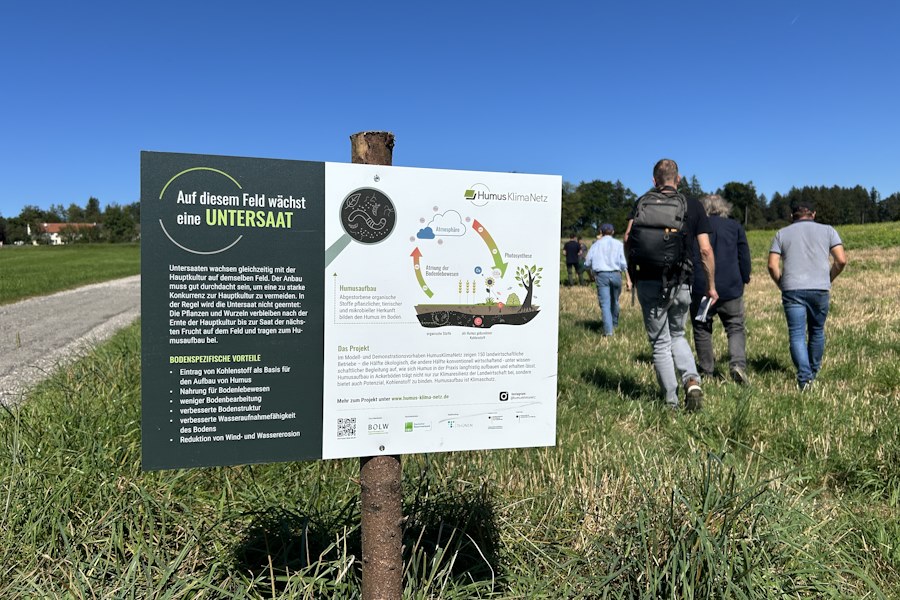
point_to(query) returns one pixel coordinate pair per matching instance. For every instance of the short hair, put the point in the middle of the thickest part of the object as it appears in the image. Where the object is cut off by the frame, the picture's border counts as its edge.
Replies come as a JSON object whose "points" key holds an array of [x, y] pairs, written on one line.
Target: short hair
{"points": [[607, 229], [802, 208], [715, 204], [665, 170]]}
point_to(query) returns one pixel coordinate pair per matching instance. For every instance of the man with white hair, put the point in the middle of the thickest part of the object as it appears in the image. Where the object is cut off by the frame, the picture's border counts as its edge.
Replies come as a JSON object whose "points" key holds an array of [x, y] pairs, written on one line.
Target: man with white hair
{"points": [[732, 252]]}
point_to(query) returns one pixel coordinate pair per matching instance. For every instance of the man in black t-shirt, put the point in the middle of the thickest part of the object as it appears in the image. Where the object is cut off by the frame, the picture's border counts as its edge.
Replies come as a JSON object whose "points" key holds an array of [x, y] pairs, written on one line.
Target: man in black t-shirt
{"points": [[572, 250], [665, 310]]}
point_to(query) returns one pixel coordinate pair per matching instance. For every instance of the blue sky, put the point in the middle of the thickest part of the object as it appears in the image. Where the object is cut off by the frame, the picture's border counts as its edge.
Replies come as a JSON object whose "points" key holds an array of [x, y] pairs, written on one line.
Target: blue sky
{"points": [[781, 93]]}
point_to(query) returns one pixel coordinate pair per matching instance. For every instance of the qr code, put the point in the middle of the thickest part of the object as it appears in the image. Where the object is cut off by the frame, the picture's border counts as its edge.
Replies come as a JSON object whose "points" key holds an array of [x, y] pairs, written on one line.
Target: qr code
{"points": [[346, 428]]}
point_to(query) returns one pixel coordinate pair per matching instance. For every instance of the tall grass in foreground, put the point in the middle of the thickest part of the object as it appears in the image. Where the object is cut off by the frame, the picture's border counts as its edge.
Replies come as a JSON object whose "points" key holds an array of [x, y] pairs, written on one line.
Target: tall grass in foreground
{"points": [[39, 270], [767, 493]]}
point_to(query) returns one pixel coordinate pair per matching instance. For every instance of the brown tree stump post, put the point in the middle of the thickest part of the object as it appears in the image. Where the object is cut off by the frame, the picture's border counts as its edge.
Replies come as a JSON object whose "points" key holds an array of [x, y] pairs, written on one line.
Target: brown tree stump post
{"points": [[380, 495]]}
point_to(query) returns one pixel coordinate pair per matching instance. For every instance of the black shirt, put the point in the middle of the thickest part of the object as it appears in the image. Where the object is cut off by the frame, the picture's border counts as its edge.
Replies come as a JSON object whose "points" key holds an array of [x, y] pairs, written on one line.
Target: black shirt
{"points": [[572, 249]]}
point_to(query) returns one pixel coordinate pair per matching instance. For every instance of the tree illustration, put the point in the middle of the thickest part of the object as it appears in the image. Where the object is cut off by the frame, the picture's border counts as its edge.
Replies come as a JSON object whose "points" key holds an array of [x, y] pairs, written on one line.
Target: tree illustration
{"points": [[529, 278]]}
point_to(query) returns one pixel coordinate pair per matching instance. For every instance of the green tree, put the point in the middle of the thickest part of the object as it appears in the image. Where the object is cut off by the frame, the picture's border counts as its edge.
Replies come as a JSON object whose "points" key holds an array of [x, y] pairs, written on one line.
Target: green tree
{"points": [[92, 211], [31, 217], [529, 278], [134, 211], [572, 210], [683, 187], [694, 188], [889, 208], [778, 211], [118, 226], [55, 214], [16, 231], [74, 214], [600, 202], [746, 204], [869, 212]]}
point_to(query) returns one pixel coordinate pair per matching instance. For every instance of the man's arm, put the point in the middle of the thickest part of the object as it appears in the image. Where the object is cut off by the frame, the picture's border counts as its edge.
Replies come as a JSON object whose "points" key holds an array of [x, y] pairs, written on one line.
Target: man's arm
{"points": [[839, 261], [590, 255], [627, 230], [708, 259], [775, 268]]}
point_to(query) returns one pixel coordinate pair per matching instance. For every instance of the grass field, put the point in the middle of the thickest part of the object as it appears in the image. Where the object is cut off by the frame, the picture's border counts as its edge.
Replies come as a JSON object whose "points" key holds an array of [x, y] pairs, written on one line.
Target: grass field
{"points": [[28, 271], [767, 493]]}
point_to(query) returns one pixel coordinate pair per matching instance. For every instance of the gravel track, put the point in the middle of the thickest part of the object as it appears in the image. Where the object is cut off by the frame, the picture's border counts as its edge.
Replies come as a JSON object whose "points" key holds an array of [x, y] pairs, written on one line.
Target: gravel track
{"points": [[39, 335]]}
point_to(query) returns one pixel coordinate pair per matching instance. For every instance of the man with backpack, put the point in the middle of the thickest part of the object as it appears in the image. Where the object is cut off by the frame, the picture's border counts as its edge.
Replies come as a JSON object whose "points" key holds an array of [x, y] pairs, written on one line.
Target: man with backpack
{"points": [[661, 231]]}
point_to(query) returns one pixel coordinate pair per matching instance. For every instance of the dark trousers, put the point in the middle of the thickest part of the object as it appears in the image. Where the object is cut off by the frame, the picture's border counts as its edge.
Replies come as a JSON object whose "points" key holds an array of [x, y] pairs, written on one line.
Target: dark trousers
{"points": [[731, 312], [576, 267]]}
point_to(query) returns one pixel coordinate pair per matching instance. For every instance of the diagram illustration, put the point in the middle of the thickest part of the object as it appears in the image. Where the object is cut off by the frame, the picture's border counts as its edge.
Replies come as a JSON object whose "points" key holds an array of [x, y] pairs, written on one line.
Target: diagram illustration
{"points": [[491, 293]]}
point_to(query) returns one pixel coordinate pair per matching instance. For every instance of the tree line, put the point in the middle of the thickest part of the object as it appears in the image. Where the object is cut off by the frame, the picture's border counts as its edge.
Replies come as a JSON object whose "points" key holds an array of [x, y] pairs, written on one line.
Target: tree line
{"points": [[113, 224], [584, 208], [589, 204]]}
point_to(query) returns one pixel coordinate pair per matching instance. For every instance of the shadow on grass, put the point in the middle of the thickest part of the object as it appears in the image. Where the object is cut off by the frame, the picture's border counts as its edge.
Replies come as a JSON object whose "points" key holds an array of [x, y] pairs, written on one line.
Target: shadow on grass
{"points": [[614, 381], [644, 356], [592, 325], [280, 541], [460, 527], [445, 531], [767, 364]]}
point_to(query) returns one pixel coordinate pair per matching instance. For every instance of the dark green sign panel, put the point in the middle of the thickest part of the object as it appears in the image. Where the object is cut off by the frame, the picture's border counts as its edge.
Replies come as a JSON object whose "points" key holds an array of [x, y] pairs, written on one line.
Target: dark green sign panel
{"points": [[232, 309]]}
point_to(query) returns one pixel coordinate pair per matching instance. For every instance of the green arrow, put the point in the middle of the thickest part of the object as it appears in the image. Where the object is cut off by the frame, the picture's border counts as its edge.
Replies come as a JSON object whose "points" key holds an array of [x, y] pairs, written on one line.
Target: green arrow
{"points": [[492, 246], [417, 254]]}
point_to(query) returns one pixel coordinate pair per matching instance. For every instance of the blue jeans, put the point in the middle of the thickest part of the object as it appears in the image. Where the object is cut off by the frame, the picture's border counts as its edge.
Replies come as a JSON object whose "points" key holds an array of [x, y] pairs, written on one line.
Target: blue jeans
{"points": [[672, 355], [609, 286], [805, 312]]}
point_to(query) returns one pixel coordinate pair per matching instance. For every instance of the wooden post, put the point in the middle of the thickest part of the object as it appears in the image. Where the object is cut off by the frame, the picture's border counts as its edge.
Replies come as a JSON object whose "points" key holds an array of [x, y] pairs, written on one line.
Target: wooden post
{"points": [[380, 495]]}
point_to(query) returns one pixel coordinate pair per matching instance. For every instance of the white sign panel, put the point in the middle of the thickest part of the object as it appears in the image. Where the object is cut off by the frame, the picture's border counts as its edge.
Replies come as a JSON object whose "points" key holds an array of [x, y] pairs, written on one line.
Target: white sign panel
{"points": [[441, 310]]}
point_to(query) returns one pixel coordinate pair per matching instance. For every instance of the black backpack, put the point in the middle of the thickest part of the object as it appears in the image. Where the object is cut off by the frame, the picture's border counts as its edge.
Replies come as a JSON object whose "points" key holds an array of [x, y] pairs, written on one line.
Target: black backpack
{"points": [[657, 241]]}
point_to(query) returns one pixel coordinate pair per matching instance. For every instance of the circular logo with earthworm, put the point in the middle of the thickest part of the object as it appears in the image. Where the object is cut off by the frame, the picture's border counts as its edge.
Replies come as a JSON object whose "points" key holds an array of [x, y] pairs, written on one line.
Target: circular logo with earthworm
{"points": [[368, 215]]}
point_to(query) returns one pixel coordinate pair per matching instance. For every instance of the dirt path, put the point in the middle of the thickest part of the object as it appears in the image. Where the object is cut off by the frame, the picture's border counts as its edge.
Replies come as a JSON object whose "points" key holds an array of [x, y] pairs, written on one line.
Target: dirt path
{"points": [[39, 334]]}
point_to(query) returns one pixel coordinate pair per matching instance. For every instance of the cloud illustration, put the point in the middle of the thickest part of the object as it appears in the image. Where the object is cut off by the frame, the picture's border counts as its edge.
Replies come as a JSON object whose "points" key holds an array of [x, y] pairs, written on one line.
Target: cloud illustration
{"points": [[447, 224], [425, 234]]}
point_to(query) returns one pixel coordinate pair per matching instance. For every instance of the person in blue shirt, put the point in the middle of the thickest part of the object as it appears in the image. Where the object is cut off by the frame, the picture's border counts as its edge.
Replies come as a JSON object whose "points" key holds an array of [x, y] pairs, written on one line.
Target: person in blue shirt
{"points": [[606, 260], [729, 243]]}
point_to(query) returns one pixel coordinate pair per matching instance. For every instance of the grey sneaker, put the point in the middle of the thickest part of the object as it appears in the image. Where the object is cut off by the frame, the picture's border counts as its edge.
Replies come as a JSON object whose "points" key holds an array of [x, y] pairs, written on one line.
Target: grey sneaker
{"points": [[693, 396], [739, 375]]}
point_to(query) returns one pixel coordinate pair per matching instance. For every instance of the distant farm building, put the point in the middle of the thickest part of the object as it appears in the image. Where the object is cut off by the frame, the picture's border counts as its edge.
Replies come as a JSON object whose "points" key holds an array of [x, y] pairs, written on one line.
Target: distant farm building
{"points": [[57, 234]]}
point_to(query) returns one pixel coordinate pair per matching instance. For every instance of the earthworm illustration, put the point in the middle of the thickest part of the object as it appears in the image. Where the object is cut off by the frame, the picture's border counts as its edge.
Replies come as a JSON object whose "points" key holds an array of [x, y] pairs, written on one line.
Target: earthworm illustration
{"points": [[361, 214]]}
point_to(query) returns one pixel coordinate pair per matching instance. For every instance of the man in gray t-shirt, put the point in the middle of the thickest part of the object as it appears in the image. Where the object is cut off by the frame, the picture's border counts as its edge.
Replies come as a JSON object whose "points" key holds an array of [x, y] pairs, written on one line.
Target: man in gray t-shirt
{"points": [[799, 265]]}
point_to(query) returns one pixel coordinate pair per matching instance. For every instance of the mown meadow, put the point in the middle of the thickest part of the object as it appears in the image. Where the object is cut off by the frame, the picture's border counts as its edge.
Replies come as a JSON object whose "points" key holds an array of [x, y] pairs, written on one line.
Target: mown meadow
{"points": [[766, 493], [28, 271]]}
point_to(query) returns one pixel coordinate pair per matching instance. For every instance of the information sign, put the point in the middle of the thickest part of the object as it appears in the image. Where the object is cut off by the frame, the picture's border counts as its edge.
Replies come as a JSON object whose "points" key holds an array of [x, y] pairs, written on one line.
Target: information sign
{"points": [[299, 310]]}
